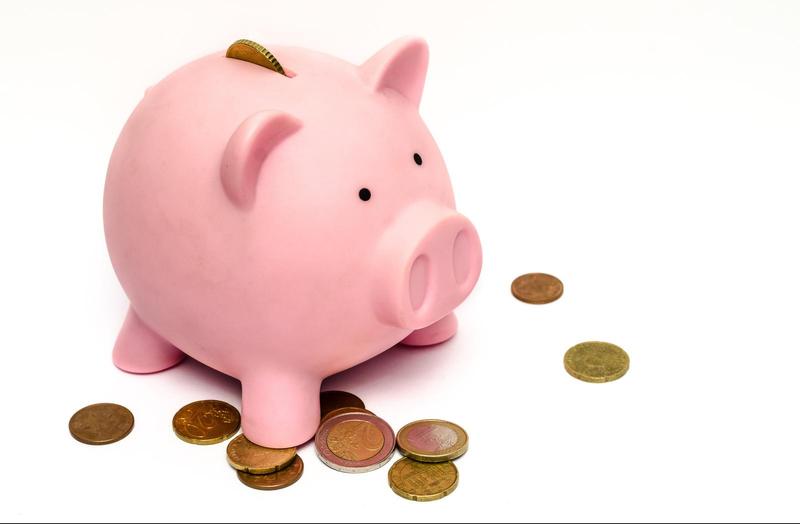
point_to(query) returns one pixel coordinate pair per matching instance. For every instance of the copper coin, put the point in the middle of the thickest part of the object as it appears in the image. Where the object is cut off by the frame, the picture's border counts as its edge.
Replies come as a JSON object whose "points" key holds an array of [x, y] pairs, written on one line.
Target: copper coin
{"points": [[206, 422], [254, 53], [343, 411], [252, 458], [355, 443], [423, 482], [537, 288], [101, 424], [277, 480], [330, 400], [432, 440]]}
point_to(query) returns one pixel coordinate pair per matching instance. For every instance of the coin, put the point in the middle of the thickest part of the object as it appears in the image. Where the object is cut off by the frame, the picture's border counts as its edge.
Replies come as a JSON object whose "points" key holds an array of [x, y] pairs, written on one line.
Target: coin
{"points": [[432, 440], [206, 422], [342, 411], [355, 442], [537, 288], [254, 53], [277, 480], [330, 400], [596, 362], [423, 482], [251, 458], [101, 424]]}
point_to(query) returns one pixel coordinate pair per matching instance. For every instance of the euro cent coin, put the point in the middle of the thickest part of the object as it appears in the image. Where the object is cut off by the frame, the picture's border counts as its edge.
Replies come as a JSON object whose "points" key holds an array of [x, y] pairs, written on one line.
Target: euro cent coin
{"points": [[596, 362], [537, 288], [101, 424], [254, 53], [432, 440], [422, 481], [206, 422], [245, 456], [330, 400], [355, 443], [271, 481]]}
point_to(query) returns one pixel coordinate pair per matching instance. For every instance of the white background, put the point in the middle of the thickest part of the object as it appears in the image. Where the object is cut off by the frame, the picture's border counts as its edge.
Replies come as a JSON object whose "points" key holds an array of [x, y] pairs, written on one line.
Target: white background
{"points": [[646, 153]]}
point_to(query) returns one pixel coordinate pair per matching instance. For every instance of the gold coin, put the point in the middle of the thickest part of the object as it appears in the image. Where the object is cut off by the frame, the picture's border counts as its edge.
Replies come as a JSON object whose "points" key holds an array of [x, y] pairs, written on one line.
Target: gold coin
{"points": [[277, 480], [596, 362], [343, 411], [206, 422], [330, 400], [251, 458], [254, 53], [537, 288], [432, 440], [101, 424], [423, 482]]}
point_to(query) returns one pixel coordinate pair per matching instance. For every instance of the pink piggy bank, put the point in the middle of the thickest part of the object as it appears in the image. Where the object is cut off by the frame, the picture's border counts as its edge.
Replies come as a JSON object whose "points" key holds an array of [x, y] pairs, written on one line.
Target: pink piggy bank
{"points": [[283, 228]]}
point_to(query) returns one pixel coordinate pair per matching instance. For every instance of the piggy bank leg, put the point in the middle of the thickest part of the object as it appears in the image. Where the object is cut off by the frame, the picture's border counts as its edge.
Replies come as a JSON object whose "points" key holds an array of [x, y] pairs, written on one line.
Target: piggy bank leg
{"points": [[436, 333], [140, 350], [280, 410]]}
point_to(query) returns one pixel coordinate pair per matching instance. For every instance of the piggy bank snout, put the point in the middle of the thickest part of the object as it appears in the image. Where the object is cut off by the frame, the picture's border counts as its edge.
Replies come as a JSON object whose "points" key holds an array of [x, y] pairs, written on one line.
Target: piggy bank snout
{"points": [[429, 262]]}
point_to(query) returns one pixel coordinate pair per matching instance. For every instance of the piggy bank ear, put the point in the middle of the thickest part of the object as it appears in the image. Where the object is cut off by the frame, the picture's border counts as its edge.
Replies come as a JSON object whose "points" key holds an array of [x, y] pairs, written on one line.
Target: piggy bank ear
{"points": [[400, 66], [247, 150]]}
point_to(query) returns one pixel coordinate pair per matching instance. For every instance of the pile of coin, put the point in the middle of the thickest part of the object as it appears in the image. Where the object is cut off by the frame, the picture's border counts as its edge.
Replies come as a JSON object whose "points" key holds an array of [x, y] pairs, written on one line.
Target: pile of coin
{"points": [[264, 468], [588, 361], [352, 439], [427, 472], [214, 421]]}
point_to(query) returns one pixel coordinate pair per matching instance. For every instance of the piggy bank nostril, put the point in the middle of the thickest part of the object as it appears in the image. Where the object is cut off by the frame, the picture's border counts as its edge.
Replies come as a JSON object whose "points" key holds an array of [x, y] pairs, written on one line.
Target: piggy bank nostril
{"points": [[418, 281], [461, 256]]}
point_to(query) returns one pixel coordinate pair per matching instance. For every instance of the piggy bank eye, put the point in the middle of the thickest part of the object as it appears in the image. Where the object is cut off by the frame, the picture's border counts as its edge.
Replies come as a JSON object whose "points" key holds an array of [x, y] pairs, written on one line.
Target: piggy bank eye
{"points": [[364, 194], [417, 159]]}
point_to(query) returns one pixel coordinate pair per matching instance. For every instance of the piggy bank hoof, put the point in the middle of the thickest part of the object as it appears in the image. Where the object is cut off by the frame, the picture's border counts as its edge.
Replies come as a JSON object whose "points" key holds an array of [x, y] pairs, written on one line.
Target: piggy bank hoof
{"points": [[280, 410], [436, 333], [139, 349]]}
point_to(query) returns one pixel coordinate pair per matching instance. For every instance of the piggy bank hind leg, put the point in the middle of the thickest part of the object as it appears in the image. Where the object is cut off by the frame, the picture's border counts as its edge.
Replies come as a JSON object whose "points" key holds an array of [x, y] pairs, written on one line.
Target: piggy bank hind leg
{"points": [[139, 349], [438, 332], [280, 410]]}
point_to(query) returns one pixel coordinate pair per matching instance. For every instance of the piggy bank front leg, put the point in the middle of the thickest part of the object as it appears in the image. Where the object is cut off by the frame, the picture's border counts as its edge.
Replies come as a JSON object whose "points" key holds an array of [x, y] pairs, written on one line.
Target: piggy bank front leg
{"points": [[139, 349], [438, 332], [279, 409]]}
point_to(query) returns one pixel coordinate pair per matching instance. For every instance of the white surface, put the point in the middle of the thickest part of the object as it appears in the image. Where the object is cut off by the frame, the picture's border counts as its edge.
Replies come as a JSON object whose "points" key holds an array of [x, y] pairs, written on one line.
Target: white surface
{"points": [[646, 153]]}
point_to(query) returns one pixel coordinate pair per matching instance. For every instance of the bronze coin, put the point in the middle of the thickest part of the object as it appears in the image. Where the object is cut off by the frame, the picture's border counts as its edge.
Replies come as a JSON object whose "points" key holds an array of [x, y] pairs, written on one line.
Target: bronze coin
{"points": [[537, 288], [355, 443], [423, 482], [206, 422], [258, 460], [254, 53], [342, 411], [432, 440], [101, 424], [277, 480], [330, 400], [596, 362]]}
